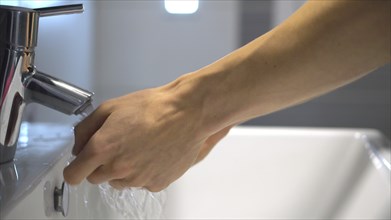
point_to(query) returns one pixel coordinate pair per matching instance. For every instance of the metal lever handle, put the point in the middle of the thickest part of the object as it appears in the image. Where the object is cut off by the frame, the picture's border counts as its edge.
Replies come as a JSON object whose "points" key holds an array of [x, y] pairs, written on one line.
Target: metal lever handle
{"points": [[60, 10]]}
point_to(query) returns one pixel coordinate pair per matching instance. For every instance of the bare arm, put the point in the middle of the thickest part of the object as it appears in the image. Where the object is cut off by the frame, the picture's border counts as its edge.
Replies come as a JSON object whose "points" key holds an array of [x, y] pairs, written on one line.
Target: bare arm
{"points": [[151, 137], [324, 45]]}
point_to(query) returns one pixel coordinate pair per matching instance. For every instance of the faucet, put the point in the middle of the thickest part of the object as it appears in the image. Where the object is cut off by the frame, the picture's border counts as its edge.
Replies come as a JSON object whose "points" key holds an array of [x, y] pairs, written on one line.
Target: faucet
{"points": [[20, 81]]}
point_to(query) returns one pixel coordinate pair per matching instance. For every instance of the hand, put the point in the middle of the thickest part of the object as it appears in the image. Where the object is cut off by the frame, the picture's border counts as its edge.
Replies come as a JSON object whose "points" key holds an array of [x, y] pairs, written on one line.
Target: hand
{"points": [[211, 142], [144, 139]]}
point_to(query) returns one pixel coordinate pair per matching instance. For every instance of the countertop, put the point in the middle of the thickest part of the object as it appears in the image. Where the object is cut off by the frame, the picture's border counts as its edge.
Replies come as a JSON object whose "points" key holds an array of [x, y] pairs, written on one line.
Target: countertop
{"points": [[40, 146]]}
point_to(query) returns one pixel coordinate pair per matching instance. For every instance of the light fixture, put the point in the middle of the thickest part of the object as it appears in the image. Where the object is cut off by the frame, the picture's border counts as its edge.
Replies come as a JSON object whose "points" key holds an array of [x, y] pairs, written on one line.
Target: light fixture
{"points": [[181, 6]]}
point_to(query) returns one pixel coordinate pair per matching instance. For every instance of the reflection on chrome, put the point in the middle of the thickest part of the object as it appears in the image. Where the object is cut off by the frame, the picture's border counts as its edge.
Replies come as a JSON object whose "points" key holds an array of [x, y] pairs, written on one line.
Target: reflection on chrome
{"points": [[23, 136], [21, 83]]}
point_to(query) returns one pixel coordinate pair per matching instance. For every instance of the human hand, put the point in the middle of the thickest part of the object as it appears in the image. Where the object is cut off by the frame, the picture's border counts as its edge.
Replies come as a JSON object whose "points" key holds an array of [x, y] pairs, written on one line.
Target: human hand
{"points": [[209, 144], [144, 139]]}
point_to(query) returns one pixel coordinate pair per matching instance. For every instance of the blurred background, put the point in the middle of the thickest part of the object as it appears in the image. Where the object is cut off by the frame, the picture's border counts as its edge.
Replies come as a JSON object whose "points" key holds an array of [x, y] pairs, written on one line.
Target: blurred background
{"points": [[117, 47]]}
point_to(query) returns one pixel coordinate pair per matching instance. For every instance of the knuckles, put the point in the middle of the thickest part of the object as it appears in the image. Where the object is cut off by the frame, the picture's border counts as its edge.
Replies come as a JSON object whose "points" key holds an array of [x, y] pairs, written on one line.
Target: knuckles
{"points": [[99, 147], [120, 169], [107, 106]]}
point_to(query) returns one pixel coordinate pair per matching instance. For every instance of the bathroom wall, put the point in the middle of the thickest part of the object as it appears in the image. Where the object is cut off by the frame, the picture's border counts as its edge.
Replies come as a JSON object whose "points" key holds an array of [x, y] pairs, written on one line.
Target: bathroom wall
{"points": [[140, 45]]}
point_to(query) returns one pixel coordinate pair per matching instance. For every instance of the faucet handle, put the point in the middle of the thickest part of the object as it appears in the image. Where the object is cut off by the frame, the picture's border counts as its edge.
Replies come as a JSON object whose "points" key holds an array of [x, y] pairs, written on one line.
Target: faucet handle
{"points": [[60, 10], [19, 26]]}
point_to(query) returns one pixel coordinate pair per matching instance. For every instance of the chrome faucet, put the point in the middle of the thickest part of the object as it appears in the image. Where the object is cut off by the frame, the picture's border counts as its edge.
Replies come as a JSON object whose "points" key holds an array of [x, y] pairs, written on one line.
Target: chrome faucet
{"points": [[20, 82]]}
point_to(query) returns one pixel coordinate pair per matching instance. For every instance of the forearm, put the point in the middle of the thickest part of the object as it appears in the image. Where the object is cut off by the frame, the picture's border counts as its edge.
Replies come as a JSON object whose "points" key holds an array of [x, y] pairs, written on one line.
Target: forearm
{"points": [[324, 45], [151, 137]]}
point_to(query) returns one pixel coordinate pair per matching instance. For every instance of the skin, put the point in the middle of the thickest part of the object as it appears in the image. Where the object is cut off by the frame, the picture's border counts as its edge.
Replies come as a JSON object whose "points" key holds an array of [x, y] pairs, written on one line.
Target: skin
{"points": [[152, 137]]}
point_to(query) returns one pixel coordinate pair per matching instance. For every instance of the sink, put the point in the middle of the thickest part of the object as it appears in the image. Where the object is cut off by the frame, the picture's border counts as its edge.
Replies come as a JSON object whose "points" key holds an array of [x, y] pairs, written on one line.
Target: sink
{"points": [[255, 172], [288, 173]]}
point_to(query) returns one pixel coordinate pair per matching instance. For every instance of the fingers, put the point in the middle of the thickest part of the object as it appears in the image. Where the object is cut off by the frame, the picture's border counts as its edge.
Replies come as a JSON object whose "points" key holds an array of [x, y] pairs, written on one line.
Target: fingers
{"points": [[155, 188], [113, 170], [129, 181], [102, 174], [85, 129], [120, 184], [84, 164], [117, 143]]}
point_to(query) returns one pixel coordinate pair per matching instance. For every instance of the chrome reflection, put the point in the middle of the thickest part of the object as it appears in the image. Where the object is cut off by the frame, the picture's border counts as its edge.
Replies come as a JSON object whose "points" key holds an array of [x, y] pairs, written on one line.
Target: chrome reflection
{"points": [[21, 83]]}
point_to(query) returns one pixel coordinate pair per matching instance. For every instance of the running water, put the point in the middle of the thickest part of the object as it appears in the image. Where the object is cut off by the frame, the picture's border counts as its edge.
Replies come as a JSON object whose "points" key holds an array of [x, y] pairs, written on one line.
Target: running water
{"points": [[133, 203], [129, 203]]}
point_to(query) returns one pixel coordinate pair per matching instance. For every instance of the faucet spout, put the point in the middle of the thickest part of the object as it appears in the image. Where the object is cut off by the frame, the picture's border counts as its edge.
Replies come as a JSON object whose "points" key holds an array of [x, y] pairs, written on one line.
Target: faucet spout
{"points": [[21, 83], [56, 94], [24, 87]]}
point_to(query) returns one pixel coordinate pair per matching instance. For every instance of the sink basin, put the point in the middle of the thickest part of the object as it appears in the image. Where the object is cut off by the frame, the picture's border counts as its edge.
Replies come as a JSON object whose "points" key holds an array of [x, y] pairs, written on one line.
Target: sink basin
{"points": [[288, 173], [258, 173]]}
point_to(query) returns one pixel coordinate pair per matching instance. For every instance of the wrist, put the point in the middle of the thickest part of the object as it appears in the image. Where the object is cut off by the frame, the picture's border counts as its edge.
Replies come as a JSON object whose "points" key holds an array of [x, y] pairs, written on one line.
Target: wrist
{"points": [[221, 93], [189, 95], [202, 94]]}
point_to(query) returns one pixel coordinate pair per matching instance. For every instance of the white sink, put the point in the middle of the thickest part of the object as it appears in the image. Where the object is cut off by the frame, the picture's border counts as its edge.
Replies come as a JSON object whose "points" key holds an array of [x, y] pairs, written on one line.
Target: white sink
{"points": [[288, 173], [258, 173]]}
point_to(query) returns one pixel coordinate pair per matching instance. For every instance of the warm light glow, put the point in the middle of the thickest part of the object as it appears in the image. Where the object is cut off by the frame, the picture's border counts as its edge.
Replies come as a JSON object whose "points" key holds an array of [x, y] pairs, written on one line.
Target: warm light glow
{"points": [[181, 6]]}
